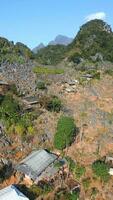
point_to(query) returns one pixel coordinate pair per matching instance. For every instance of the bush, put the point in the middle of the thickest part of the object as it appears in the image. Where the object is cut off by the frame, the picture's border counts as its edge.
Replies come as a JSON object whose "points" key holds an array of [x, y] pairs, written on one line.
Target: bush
{"points": [[65, 132], [13, 89], [79, 171], [51, 103], [19, 129], [86, 183], [9, 108], [71, 163], [101, 170], [54, 104], [67, 196], [41, 85], [109, 72]]}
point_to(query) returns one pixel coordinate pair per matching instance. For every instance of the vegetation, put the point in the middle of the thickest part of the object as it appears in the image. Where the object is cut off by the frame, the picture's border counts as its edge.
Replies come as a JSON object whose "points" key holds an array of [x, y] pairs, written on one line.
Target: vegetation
{"points": [[47, 70], [14, 53], [10, 114], [86, 183], [109, 72], [67, 196], [93, 42], [41, 85], [52, 103], [9, 108], [65, 132], [51, 55], [79, 171], [101, 170], [71, 164]]}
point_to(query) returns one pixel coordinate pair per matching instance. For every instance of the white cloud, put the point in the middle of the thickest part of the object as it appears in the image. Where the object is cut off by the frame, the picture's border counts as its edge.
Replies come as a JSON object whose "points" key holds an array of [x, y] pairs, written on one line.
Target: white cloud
{"points": [[98, 15]]}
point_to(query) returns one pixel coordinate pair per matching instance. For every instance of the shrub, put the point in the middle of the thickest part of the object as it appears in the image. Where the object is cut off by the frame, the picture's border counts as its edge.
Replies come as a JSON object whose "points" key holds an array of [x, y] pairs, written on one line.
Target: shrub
{"points": [[13, 89], [9, 108], [65, 132], [71, 163], [41, 85], [79, 171], [31, 130], [67, 196], [86, 183], [109, 72], [101, 170], [51, 103], [54, 104], [19, 129]]}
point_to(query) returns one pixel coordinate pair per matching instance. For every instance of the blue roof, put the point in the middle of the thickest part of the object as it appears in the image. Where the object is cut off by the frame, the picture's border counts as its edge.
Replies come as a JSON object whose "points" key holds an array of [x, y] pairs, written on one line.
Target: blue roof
{"points": [[12, 193]]}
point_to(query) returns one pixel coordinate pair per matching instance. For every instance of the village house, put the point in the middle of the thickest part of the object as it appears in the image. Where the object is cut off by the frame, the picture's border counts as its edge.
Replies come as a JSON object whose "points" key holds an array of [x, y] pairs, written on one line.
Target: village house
{"points": [[39, 165], [12, 193]]}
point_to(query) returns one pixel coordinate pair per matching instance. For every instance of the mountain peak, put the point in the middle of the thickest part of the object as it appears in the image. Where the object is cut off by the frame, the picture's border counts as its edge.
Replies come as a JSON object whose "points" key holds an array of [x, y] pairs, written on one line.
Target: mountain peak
{"points": [[40, 46], [61, 39]]}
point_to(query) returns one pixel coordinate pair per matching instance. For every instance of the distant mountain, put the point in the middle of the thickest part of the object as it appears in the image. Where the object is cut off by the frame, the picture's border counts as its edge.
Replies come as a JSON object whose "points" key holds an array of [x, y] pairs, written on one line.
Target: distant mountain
{"points": [[40, 46], [61, 39]]}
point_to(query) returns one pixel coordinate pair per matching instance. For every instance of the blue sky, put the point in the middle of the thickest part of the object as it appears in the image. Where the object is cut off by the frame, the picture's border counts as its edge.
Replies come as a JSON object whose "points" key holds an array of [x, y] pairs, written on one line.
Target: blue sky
{"points": [[35, 21]]}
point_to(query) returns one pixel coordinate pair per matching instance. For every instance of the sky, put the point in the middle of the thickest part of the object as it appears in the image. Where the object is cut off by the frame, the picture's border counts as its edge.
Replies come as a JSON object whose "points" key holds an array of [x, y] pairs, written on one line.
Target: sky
{"points": [[34, 21]]}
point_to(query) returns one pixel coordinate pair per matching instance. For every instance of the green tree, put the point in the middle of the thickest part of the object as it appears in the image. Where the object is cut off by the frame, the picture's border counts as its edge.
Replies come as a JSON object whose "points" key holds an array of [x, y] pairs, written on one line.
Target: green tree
{"points": [[65, 132]]}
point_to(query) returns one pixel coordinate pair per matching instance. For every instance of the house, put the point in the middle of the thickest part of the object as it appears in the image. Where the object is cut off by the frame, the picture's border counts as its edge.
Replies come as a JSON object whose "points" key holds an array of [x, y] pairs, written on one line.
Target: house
{"points": [[37, 166], [12, 193]]}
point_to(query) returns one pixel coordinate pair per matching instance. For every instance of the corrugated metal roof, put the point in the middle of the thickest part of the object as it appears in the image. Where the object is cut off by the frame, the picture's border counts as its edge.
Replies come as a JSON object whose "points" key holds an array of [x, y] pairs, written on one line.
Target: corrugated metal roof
{"points": [[11, 193], [36, 163]]}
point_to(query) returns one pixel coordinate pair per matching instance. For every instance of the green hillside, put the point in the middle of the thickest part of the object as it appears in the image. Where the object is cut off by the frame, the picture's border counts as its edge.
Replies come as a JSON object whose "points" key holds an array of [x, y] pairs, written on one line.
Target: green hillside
{"points": [[10, 52], [51, 55], [94, 41]]}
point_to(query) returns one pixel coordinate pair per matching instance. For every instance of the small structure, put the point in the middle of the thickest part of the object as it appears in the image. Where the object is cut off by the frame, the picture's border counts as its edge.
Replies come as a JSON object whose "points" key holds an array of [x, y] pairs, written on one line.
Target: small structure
{"points": [[111, 171], [87, 76], [12, 193], [31, 100], [109, 160], [37, 166]]}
